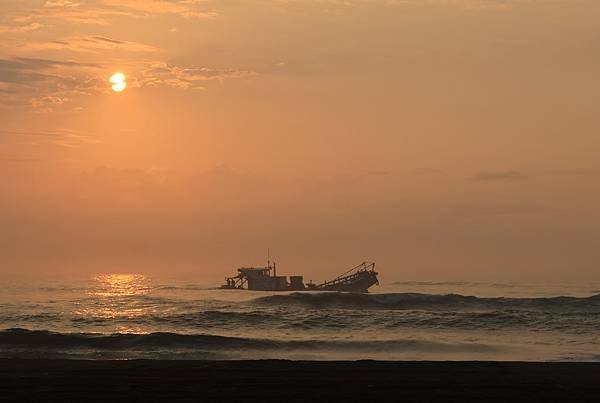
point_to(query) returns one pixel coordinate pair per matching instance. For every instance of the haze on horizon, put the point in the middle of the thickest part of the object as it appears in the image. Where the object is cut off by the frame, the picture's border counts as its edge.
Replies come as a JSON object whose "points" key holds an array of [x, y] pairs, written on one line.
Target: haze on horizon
{"points": [[443, 139]]}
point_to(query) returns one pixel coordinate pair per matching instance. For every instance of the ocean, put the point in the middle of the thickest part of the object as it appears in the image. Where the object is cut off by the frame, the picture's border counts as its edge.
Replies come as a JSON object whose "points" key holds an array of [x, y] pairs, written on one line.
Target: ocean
{"points": [[131, 316]]}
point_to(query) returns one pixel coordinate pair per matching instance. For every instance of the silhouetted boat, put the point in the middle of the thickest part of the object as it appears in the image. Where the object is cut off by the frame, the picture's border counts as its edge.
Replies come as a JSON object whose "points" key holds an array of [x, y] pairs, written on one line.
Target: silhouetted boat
{"points": [[358, 279]]}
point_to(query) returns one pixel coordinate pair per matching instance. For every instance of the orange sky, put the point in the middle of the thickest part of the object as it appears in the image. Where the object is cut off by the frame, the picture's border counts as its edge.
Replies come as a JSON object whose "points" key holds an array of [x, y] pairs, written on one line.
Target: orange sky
{"points": [[443, 139]]}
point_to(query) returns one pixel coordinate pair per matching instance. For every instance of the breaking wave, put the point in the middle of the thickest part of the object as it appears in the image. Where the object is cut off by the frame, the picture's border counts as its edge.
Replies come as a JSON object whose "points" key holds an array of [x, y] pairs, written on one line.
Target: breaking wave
{"points": [[455, 302], [187, 287]]}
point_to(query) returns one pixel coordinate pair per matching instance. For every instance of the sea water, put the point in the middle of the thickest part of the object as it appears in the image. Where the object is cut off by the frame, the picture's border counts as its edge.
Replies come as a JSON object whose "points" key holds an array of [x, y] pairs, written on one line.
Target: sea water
{"points": [[129, 316]]}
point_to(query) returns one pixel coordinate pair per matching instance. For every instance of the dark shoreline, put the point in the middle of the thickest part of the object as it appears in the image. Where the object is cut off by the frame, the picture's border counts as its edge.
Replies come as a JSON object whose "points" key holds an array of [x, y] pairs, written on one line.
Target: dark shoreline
{"points": [[296, 381]]}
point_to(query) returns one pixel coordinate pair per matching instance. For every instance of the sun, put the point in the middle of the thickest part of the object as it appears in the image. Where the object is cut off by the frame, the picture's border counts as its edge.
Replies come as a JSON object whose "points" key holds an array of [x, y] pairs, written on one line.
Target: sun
{"points": [[118, 82]]}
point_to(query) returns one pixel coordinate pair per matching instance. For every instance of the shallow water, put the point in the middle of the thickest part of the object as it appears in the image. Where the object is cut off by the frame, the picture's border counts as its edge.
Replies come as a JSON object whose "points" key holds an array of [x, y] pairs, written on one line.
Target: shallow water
{"points": [[133, 316]]}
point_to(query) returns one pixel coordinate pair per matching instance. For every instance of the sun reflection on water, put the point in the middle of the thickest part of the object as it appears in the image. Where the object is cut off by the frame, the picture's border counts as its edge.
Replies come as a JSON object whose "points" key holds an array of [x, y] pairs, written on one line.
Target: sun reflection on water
{"points": [[117, 297], [120, 285]]}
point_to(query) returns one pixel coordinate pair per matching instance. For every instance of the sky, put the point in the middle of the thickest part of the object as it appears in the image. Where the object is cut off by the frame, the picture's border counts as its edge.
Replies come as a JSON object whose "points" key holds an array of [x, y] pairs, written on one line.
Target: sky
{"points": [[442, 139]]}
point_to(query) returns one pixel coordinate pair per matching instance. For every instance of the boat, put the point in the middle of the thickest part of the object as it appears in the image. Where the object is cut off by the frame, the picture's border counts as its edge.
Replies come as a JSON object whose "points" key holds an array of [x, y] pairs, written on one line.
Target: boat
{"points": [[358, 279]]}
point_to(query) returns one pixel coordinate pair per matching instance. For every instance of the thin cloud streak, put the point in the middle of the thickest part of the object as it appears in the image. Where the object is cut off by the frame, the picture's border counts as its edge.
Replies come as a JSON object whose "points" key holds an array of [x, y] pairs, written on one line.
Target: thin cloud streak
{"points": [[34, 26], [92, 43], [327, 5], [60, 137], [487, 176]]}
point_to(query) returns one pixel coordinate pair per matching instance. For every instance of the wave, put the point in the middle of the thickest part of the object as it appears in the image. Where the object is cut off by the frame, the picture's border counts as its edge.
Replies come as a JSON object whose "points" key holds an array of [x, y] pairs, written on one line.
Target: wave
{"points": [[23, 340], [290, 319], [454, 284], [17, 337], [324, 300]]}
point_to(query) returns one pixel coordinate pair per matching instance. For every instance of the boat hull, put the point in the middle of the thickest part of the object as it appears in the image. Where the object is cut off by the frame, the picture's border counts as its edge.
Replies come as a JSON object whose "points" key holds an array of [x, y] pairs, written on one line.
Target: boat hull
{"points": [[358, 279]]}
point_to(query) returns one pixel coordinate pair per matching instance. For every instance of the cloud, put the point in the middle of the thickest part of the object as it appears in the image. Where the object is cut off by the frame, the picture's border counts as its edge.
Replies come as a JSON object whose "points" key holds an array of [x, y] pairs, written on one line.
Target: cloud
{"points": [[103, 12], [58, 13], [34, 26], [43, 84], [487, 176], [61, 3], [164, 74]]}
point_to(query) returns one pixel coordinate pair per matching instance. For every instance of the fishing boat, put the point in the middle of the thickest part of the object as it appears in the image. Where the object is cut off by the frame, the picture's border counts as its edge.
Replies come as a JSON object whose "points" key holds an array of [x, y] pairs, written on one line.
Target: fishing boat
{"points": [[358, 279]]}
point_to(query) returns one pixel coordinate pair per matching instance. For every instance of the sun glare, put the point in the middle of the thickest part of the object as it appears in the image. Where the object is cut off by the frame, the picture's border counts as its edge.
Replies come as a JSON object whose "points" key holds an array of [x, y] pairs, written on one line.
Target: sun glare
{"points": [[118, 82]]}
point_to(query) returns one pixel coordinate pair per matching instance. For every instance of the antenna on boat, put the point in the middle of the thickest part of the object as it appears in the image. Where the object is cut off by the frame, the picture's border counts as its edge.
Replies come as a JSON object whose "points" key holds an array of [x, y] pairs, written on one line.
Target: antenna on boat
{"points": [[269, 263], [269, 260]]}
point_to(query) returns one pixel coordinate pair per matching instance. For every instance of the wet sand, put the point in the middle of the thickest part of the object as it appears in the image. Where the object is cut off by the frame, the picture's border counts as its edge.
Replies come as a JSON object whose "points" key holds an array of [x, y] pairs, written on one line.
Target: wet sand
{"points": [[296, 381]]}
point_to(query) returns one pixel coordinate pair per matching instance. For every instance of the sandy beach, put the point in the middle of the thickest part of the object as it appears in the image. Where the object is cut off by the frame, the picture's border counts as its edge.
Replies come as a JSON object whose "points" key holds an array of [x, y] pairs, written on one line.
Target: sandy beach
{"points": [[296, 381]]}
